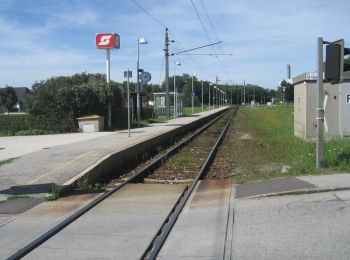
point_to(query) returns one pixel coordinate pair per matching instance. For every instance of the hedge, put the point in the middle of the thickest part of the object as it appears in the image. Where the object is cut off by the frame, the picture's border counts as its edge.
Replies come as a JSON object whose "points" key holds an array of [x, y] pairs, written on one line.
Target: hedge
{"points": [[10, 124]]}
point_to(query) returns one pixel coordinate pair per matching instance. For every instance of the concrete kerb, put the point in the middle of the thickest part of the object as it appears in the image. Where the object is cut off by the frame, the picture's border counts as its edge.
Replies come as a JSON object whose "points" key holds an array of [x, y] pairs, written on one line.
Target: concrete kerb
{"points": [[113, 161], [228, 248], [297, 192]]}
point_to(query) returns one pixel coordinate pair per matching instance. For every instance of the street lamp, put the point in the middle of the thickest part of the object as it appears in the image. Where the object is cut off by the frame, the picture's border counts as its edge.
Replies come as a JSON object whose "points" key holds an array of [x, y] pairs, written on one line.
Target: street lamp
{"points": [[140, 40], [214, 95], [202, 98], [218, 98], [209, 94], [244, 93], [192, 93], [177, 63]]}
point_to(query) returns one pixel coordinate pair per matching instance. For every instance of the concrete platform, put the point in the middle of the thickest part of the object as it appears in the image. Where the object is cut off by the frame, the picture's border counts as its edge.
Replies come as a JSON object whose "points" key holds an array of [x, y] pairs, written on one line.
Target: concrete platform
{"points": [[64, 164], [16, 146], [121, 227], [202, 228]]}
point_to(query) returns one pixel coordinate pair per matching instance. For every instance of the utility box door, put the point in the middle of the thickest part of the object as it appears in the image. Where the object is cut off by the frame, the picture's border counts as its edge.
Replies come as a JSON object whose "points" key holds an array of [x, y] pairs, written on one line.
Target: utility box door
{"points": [[344, 109]]}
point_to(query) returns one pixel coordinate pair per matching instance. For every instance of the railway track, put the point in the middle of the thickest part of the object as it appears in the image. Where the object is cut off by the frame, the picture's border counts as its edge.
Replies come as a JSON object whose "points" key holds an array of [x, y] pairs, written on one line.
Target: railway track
{"points": [[213, 132]]}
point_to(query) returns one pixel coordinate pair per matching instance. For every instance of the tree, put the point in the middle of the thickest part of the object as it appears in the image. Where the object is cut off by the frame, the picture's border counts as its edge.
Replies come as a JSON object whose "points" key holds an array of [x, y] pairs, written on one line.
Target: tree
{"points": [[8, 98], [60, 100], [285, 92]]}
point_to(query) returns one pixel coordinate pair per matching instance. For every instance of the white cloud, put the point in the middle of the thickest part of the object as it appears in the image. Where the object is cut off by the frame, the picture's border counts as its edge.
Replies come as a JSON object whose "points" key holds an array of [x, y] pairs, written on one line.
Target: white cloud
{"points": [[48, 37]]}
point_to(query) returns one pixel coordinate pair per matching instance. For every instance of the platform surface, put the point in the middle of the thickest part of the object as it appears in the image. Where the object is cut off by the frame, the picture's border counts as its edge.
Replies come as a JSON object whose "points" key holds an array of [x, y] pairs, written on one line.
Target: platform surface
{"points": [[60, 163]]}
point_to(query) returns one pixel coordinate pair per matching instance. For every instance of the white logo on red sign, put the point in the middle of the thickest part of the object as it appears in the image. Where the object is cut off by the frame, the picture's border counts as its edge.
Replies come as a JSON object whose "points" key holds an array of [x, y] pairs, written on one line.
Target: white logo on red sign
{"points": [[107, 40]]}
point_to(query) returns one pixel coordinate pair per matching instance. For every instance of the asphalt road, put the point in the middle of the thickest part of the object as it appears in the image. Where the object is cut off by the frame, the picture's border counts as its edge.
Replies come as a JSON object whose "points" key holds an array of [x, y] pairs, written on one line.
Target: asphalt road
{"points": [[313, 226]]}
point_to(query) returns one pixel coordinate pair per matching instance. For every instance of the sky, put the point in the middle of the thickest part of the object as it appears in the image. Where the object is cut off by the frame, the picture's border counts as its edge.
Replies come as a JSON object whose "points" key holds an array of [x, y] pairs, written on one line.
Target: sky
{"points": [[40, 39]]}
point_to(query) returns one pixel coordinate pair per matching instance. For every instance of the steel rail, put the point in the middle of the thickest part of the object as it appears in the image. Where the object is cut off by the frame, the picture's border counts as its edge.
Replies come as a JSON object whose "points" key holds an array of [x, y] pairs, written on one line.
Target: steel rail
{"points": [[155, 246], [140, 174]]}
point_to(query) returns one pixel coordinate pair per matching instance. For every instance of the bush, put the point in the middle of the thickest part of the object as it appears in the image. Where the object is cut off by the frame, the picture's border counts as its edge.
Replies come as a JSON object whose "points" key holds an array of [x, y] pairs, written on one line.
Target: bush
{"points": [[147, 112], [33, 132], [12, 124], [60, 100]]}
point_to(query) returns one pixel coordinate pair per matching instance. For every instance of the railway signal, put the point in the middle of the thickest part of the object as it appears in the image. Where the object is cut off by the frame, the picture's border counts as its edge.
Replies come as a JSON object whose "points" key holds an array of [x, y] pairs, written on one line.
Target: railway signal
{"points": [[335, 61]]}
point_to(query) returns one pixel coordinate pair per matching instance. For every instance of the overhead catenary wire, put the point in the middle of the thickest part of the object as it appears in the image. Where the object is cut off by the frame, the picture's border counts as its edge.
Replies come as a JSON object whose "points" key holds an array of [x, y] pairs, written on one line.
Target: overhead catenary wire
{"points": [[149, 14], [196, 48], [211, 24], [172, 35], [217, 38], [207, 54], [208, 37]]}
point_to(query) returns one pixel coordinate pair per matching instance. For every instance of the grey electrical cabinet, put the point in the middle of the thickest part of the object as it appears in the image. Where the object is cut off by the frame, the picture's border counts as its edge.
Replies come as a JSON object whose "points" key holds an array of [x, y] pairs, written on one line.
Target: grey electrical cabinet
{"points": [[344, 109], [337, 109]]}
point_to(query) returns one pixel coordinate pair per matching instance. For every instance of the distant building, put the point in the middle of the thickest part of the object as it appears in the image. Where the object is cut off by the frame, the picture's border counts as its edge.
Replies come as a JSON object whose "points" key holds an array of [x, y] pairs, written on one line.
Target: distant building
{"points": [[21, 93]]}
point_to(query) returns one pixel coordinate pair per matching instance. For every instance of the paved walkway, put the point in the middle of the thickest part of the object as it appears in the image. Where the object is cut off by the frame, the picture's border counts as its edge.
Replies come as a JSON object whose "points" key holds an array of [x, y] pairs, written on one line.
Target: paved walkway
{"points": [[294, 185], [16, 146]]}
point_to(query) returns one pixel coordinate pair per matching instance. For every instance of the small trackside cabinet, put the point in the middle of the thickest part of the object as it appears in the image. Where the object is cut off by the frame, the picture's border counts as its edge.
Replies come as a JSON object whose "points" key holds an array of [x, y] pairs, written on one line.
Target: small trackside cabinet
{"points": [[337, 113], [344, 109], [91, 123]]}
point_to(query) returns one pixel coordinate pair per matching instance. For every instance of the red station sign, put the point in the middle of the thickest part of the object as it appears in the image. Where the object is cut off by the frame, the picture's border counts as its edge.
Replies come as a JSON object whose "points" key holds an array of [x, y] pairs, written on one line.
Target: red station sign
{"points": [[107, 40]]}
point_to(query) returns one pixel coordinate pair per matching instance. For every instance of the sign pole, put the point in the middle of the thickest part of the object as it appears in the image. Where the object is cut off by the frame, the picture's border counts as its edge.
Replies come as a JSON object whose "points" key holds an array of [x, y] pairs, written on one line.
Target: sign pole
{"points": [[128, 103], [108, 74], [320, 111], [108, 41]]}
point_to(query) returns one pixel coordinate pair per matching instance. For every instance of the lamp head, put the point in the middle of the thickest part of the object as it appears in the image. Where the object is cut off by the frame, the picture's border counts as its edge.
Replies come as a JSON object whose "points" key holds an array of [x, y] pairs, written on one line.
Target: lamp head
{"points": [[177, 63], [142, 40]]}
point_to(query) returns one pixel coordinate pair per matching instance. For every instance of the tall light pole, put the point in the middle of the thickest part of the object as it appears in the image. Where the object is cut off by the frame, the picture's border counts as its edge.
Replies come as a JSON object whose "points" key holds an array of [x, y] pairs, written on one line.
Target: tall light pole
{"points": [[221, 97], [177, 63], [217, 97], [209, 94], [140, 40], [214, 95], [244, 93], [192, 93], [166, 56], [128, 75], [202, 98]]}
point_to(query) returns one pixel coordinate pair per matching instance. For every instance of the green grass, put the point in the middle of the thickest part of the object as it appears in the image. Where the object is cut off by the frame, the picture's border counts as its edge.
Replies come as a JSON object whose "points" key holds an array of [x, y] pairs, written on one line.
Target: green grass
{"points": [[14, 197], [2, 162], [162, 119], [188, 110], [265, 142], [184, 159], [33, 132]]}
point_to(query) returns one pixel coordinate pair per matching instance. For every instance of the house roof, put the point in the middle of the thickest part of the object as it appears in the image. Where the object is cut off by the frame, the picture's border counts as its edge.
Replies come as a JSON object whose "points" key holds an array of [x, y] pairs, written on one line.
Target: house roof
{"points": [[21, 92]]}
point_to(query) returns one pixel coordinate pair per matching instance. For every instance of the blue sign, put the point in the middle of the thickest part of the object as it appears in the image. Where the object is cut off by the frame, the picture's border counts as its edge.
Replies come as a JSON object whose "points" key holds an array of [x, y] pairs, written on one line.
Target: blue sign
{"points": [[192, 94]]}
